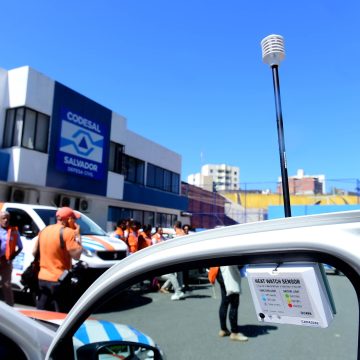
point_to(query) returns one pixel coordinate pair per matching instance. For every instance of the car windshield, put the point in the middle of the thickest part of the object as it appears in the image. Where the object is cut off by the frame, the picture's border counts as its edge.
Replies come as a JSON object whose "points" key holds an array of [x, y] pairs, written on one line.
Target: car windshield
{"points": [[87, 226]]}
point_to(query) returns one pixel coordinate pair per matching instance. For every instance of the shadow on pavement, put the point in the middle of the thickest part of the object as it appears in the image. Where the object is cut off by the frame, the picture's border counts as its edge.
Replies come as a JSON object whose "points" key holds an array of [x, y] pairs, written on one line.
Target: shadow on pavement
{"points": [[124, 301], [194, 296], [256, 330]]}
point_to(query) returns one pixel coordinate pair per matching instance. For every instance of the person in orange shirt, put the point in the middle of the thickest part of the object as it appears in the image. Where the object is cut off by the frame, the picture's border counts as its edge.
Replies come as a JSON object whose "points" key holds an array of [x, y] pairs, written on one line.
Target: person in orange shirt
{"points": [[119, 232], [144, 238], [133, 238], [58, 244]]}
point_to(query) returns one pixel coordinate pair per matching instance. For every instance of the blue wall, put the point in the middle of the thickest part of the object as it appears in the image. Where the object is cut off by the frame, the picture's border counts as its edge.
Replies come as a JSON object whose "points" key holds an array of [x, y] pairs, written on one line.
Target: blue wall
{"points": [[276, 212], [142, 195], [4, 166]]}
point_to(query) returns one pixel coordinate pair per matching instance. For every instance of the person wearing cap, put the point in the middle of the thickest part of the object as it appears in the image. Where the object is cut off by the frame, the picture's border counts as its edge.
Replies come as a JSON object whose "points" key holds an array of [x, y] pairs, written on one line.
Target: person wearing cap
{"points": [[55, 259]]}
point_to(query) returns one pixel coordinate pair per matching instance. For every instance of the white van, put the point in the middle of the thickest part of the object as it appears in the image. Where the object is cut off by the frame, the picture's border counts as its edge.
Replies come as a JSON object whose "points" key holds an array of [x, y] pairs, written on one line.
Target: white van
{"points": [[101, 251]]}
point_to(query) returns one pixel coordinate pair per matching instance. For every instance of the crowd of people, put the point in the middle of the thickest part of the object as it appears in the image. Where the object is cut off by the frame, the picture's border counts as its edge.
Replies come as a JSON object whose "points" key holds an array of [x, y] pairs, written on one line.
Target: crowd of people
{"points": [[138, 237]]}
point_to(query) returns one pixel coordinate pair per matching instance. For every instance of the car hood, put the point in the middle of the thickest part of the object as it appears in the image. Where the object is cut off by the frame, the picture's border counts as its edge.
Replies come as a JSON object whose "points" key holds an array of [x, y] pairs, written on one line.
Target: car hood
{"points": [[93, 330], [102, 243]]}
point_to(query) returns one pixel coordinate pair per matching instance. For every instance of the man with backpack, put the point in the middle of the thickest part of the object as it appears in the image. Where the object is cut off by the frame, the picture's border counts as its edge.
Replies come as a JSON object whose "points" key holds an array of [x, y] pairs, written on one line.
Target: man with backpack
{"points": [[58, 244]]}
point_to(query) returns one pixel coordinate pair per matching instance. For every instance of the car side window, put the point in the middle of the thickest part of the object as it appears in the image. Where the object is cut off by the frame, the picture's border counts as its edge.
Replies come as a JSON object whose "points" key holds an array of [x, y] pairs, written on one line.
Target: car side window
{"points": [[23, 221], [9, 350]]}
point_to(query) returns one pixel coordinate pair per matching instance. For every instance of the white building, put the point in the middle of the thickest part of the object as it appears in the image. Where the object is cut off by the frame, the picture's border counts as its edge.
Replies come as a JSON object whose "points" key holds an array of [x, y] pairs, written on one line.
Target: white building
{"points": [[59, 147], [221, 176]]}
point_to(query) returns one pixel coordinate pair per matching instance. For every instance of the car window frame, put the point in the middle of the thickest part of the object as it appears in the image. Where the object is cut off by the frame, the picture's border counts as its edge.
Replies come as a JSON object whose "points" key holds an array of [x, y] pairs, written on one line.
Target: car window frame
{"points": [[177, 254]]}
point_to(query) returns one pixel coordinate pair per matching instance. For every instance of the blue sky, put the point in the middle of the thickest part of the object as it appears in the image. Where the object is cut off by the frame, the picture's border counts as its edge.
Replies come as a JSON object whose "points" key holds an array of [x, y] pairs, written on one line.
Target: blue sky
{"points": [[189, 75]]}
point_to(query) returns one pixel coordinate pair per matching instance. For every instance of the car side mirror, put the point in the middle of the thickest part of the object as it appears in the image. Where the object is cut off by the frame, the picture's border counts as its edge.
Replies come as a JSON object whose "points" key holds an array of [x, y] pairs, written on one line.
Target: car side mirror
{"points": [[118, 350]]}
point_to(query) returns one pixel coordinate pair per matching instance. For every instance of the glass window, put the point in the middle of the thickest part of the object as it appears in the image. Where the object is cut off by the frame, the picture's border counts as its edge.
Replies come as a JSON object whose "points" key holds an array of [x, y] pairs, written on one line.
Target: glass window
{"points": [[26, 128], [29, 129], [150, 176], [9, 128], [116, 158], [167, 180], [23, 221], [134, 169], [162, 179], [112, 157], [159, 178], [42, 132], [198, 313], [140, 167], [19, 121], [175, 183], [130, 169], [149, 218], [137, 215], [165, 220]]}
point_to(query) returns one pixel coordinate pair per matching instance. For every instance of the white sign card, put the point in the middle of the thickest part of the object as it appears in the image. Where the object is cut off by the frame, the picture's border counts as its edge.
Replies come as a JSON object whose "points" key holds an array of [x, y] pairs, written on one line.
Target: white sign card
{"points": [[290, 294]]}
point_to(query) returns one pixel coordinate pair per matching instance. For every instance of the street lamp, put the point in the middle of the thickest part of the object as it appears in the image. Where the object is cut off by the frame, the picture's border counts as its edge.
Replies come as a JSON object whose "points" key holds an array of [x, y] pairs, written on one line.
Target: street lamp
{"points": [[273, 53]]}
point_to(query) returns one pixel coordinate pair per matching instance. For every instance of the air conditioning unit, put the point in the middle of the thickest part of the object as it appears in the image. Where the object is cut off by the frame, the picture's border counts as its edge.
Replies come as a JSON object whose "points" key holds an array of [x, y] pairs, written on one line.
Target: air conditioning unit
{"points": [[18, 195], [84, 205], [26, 196], [66, 200]]}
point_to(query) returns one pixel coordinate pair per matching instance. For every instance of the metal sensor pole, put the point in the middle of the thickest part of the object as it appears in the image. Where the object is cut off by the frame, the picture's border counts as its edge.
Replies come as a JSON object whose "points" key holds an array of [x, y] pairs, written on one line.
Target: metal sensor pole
{"points": [[273, 53]]}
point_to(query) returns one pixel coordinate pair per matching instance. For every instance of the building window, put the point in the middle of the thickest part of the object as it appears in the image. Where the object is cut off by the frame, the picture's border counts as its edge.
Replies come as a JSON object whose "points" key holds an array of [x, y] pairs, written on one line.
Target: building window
{"points": [[162, 179], [116, 161], [165, 220], [133, 169], [145, 217], [26, 128]]}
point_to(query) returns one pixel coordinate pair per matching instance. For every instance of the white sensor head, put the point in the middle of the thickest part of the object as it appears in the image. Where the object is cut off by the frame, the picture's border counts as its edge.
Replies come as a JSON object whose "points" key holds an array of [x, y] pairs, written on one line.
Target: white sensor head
{"points": [[273, 51]]}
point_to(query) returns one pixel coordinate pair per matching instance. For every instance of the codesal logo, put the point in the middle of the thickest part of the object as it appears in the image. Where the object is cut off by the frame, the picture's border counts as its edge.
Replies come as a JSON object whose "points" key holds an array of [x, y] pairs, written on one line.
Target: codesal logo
{"points": [[81, 142]]}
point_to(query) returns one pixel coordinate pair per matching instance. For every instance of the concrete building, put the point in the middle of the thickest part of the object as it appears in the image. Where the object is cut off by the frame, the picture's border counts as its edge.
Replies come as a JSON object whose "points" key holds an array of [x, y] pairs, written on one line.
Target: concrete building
{"points": [[207, 208], [301, 184], [58, 147], [219, 177]]}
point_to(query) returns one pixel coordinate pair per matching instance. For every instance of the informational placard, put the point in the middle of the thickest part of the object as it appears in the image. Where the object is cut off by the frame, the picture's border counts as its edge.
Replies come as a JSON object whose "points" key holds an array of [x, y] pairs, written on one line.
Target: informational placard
{"points": [[289, 294]]}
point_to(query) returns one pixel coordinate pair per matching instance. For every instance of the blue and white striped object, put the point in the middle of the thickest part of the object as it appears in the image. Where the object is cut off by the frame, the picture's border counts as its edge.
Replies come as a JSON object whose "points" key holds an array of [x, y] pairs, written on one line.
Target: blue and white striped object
{"points": [[101, 330]]}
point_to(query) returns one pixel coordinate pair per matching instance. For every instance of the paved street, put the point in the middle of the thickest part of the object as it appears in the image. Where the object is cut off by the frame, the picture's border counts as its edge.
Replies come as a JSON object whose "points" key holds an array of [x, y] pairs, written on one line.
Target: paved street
{"points": [[188, 329]]}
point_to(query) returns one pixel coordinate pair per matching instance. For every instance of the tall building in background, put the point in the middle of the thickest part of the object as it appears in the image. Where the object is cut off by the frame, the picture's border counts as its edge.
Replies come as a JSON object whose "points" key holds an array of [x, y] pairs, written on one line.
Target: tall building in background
{"points": [[301, 184], [219, 177]]}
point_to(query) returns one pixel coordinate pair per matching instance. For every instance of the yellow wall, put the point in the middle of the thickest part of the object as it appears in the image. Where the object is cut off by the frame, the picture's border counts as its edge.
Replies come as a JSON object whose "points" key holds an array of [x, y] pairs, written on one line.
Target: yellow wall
{"points": [[250, 200]]}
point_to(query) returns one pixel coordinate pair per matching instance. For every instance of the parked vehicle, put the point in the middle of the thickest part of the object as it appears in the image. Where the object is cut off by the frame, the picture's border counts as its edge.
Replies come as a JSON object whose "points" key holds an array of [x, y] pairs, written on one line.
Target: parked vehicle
{"points": [[100, 250], [25, 333]]}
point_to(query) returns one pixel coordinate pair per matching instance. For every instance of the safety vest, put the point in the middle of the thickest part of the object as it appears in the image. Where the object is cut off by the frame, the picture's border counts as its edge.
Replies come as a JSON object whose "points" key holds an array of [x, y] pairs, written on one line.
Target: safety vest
{"points": [[144, 240], [11, 241], [133, 242], [119, 233]]}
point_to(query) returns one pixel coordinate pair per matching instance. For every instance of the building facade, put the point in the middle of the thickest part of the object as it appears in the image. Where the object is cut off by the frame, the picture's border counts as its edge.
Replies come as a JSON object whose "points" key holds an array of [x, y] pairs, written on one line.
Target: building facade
{"points": [[58, 147], [217, 177], [207, 208], [301, 184]]}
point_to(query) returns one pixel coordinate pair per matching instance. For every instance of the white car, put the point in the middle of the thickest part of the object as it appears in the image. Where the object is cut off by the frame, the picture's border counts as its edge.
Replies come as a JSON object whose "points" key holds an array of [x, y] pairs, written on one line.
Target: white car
{"points": [[301, 294], [100, 250], [26, 333]]}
